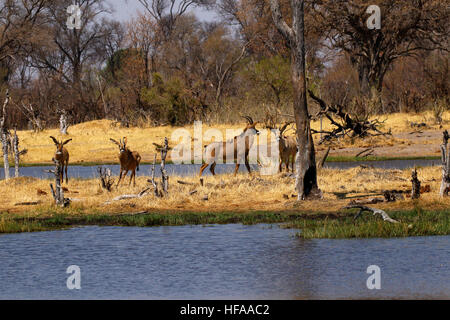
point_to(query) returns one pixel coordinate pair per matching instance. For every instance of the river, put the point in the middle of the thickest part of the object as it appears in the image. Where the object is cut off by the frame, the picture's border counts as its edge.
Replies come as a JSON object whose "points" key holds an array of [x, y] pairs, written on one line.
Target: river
{"points": [[193, 169], [231, 261]]}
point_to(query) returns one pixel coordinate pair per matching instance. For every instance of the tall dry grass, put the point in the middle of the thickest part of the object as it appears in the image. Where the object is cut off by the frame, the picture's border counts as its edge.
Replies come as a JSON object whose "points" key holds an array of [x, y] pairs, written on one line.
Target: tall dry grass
{"points": [[242, 193]]}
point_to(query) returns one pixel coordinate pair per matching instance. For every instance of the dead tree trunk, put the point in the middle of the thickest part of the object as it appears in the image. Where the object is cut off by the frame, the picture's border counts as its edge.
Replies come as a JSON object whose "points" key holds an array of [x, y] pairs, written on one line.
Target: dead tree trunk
{"points": [[415, 192], [374, 211], [165, 177], [33, 116], [63, 125], [57, 192], [306, 177], [17, 153], [445, 152], [105, 178], [154, 183], [5, 137]]}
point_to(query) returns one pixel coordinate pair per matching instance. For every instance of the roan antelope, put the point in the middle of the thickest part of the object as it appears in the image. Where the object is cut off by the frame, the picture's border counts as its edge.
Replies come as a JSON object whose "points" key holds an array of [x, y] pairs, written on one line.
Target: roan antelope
{"points": [[287, 147], [239, 145], [129, 160], [62, 156]]}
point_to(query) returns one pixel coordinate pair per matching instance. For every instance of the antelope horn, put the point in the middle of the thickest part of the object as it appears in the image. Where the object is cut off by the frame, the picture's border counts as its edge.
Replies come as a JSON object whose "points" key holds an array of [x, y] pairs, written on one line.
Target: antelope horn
{"points": [[249, 119], [114, 141], [285, 126], [54, 140]]}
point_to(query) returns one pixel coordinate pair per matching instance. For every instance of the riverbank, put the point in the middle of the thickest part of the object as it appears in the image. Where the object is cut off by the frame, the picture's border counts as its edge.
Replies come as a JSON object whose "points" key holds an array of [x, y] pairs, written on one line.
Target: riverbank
{"points": [[27, 205], [418, 222]]}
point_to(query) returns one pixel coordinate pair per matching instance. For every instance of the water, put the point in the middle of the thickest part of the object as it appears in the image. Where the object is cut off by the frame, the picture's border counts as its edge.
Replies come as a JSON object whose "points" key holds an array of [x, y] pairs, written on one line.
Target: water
{"points": [[218, 262], [193, 169]]}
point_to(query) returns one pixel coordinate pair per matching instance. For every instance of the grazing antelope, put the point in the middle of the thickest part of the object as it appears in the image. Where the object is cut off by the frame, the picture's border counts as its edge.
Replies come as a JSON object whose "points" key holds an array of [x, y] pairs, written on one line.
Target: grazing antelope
{"points": [[129, 160], [62, 156], [287, 147], [239, 145]]}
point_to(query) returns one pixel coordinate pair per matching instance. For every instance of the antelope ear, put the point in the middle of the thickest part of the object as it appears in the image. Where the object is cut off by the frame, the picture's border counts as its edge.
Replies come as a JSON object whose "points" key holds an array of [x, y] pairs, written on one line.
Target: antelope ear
{"points": [[54, 140], [67, 141]]}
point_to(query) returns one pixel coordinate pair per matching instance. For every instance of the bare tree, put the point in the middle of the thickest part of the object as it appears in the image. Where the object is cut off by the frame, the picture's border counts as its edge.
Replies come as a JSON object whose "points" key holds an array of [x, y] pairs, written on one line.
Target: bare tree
{"points": [[445, 150], [18, 20], [5, 136], [167, 12], [407, 28], [306, 176], [17, 153], [33, 116], [63, 124]]}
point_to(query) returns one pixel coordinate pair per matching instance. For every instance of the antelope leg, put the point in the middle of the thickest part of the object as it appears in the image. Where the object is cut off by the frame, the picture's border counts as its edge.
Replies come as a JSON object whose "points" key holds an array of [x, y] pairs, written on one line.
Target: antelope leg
{"points": [[203, 167], [212, 167], [236, 169], [120, 178], [247, 165], [67, 178]]}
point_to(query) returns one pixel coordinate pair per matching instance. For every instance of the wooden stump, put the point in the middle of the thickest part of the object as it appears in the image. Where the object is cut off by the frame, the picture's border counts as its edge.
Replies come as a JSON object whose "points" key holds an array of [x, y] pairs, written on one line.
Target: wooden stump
{"points": [[415, 192], [105, 178]]}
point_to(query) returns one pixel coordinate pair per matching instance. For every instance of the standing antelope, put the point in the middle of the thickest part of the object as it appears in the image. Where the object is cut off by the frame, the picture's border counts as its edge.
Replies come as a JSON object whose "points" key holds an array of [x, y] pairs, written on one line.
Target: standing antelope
{"points": [[129, 160], [287, 147], [239, 145], [62, 156]]}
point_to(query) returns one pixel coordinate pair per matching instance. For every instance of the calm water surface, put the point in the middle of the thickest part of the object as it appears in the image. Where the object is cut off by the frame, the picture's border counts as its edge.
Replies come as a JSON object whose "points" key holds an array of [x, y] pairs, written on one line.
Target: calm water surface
{"points": [[193, 169], [218, 262]]}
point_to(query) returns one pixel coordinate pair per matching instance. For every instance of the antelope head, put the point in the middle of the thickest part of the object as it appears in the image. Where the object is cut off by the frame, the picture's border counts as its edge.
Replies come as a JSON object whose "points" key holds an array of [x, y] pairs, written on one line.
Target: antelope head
{"points": [[250, 128], [122, 144], [59, 154], [280, 130]]}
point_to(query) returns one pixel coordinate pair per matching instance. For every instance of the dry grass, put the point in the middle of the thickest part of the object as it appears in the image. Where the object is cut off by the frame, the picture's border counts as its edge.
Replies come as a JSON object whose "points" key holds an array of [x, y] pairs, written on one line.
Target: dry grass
{"points": [[91, 139], [228, 193]]}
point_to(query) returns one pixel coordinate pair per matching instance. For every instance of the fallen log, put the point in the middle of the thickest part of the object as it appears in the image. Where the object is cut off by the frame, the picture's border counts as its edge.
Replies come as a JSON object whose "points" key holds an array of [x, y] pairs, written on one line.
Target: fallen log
{"points": [[374, 211], [366, 201], [344, 124], [321, 162], [129, 196], [368, 150], [30, 203], [186, 183]]}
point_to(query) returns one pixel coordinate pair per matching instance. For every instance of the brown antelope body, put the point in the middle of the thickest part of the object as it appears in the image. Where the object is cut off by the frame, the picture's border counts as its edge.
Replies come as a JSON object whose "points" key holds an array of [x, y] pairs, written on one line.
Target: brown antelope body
{"points": [[288, 151], [287, 147], [62, 156], [129, 161], [239, 146]]}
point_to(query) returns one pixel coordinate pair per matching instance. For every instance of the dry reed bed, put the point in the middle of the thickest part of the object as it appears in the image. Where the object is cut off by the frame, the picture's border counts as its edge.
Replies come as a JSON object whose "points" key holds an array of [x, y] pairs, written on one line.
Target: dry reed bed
{"points": [[238, 194]]}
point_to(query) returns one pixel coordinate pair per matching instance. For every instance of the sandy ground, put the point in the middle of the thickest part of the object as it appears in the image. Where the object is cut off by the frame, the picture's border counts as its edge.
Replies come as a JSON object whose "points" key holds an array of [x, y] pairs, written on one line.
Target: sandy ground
{"points": [[424, 144]]}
